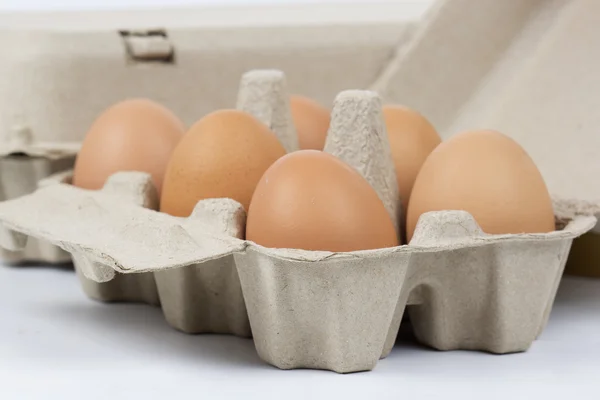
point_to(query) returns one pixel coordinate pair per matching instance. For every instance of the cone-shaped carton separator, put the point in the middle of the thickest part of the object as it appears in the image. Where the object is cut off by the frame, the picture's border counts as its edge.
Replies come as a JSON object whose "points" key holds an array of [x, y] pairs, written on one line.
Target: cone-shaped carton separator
{"points": [[225, 216], [264, 94], [135, 187], [357, 135], [438, 227]]}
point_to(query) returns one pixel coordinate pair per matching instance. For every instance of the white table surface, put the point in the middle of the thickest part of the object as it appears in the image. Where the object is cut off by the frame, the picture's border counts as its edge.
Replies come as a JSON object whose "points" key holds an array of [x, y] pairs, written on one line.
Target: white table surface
{"points": [[57, 344]]}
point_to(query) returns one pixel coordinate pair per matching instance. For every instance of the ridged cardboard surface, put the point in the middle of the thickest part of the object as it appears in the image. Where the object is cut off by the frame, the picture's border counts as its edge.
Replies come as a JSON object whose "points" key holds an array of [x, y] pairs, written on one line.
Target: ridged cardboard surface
{"points": [[340, 311], [19, 175]]}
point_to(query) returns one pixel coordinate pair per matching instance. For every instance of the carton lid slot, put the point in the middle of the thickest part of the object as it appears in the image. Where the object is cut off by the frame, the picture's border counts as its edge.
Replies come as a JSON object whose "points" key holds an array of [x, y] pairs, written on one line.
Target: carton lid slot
{"points": [[148, 46]]}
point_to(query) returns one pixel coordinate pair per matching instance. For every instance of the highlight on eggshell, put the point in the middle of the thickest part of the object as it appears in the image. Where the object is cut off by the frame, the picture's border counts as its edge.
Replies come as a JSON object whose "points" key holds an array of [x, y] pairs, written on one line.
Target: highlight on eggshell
{"points": [[132, 135], [312, 200], [489, 175], [223, 155], [311, 121]]}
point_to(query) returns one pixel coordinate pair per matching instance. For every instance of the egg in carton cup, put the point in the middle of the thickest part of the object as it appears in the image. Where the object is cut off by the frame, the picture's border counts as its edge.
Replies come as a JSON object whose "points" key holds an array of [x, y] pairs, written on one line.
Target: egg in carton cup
{"points": [[524, 67], [463, 289]]}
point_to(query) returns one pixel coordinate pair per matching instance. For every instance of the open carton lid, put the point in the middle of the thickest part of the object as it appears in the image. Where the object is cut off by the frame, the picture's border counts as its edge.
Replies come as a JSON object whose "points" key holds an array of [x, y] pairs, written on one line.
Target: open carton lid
{"points": [[60, 71], [528, 68]]}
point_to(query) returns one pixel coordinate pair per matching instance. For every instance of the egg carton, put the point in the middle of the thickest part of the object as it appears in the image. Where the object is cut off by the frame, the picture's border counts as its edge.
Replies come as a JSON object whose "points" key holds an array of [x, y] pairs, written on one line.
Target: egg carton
{"points": [[463, 289], [527, 68], [19, 175]]}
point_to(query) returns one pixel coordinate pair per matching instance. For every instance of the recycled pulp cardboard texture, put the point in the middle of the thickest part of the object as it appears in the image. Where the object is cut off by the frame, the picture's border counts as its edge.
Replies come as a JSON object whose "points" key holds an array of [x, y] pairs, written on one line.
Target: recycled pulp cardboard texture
{"points": [[207, 297], [133, 188], [62, 75], [19, 175], [526, 68], [315, 309], [136, 189]]}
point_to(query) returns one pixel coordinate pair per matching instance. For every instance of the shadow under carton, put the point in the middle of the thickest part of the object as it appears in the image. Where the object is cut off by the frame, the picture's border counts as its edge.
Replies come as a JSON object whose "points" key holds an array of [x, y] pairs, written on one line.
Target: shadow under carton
{"points": [[585, 256]]}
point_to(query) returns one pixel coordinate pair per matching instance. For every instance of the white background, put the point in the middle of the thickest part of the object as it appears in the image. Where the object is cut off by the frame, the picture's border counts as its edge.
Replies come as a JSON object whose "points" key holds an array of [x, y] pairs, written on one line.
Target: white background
{"points": [[57, 344], [224, 13], [112, 4]]}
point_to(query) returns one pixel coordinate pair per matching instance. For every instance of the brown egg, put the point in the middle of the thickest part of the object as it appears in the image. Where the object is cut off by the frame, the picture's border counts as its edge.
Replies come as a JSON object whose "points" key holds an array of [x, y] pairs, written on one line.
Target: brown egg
{"points": [[311, 200], [411, 138], [223, 155], [311, 121], [488, 175], [133, 135]]}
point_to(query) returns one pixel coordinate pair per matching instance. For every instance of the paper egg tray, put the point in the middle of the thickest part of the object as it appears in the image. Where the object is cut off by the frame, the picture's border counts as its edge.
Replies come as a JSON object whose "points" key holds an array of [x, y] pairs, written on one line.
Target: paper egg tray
{"points": [[19, 175], [463, 289]]}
